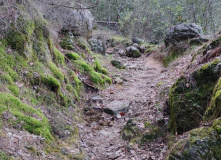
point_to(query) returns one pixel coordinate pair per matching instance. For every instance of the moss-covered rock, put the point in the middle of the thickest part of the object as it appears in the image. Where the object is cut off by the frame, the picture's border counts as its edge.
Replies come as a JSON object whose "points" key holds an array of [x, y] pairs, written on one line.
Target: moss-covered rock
{"points": [[202, 143], [130, 130], [117, 64], [189, 97], [152, 134], [132, 52], [214, 109]]}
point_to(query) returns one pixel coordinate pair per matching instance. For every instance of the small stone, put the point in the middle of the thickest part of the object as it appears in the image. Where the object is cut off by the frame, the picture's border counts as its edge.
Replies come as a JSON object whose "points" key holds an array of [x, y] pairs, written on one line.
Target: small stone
{"points": [[118, 116], [113, 156], [96, 99], [115, 107], [122, 52]]}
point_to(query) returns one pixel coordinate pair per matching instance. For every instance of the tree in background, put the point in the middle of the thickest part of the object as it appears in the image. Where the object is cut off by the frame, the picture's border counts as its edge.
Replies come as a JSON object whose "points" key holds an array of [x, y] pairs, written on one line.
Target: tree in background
{"points": [[150, 19]]}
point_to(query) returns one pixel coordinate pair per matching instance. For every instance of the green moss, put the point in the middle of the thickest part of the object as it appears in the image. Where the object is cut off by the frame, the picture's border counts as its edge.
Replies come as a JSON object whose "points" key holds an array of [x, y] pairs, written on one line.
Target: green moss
{"points": [[95, 78], [106, 78], [83, 66], [119, 38], [214, 109], [188, 104], [70, 88], [151, 134], [151, 48], [201, 143], [99, 68], [10, 62], [56, 71], [72, 56], [77, 82], [34, 121], [130, 130], [17, 41], [58, 56], [4, 156], [171, 57], [67, 43], [82, 45], [7, 79], [14, 90], [159, 84], [117, 64], [98, 79], [51, 82]]}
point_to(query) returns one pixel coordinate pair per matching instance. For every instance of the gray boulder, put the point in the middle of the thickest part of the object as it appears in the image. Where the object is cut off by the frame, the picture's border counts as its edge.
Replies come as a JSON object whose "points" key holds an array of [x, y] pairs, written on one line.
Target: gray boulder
{"points": [[182, 32], [137, 40], [97, 46], [132, 52], [78, 22]]}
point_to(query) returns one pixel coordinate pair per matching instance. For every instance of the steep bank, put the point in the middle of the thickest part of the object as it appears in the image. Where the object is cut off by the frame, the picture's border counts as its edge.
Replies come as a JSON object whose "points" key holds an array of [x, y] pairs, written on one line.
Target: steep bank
{"points": [[41, 85]]}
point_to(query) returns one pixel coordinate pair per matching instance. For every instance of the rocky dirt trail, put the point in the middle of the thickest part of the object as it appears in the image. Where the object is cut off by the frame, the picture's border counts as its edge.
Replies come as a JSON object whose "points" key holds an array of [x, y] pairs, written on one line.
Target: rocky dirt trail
{"points": [[135, 89]]}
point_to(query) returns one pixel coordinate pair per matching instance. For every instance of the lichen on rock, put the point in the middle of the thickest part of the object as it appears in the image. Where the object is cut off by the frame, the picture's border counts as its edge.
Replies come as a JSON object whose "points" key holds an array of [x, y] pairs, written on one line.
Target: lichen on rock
{"points": [[201, 143]]}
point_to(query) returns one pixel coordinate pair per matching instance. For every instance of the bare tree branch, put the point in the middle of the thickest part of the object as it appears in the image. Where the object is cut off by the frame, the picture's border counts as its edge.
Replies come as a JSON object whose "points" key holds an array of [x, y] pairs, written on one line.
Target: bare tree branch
{"points": [[72, 7]]}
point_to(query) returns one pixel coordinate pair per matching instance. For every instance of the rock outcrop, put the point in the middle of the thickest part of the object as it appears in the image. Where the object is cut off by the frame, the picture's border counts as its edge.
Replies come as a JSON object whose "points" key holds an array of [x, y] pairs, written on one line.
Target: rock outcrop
{"points": [[201, 143], [77, 22], [182, 32], [189, 97]]}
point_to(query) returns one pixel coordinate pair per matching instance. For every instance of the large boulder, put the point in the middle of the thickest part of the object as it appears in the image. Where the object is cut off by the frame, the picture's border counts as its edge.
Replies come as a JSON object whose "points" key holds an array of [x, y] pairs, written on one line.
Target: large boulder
{"points": [[189, 97], [201, 143], [182, 32], [97, 46], [64, 19], [132, 52]]}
